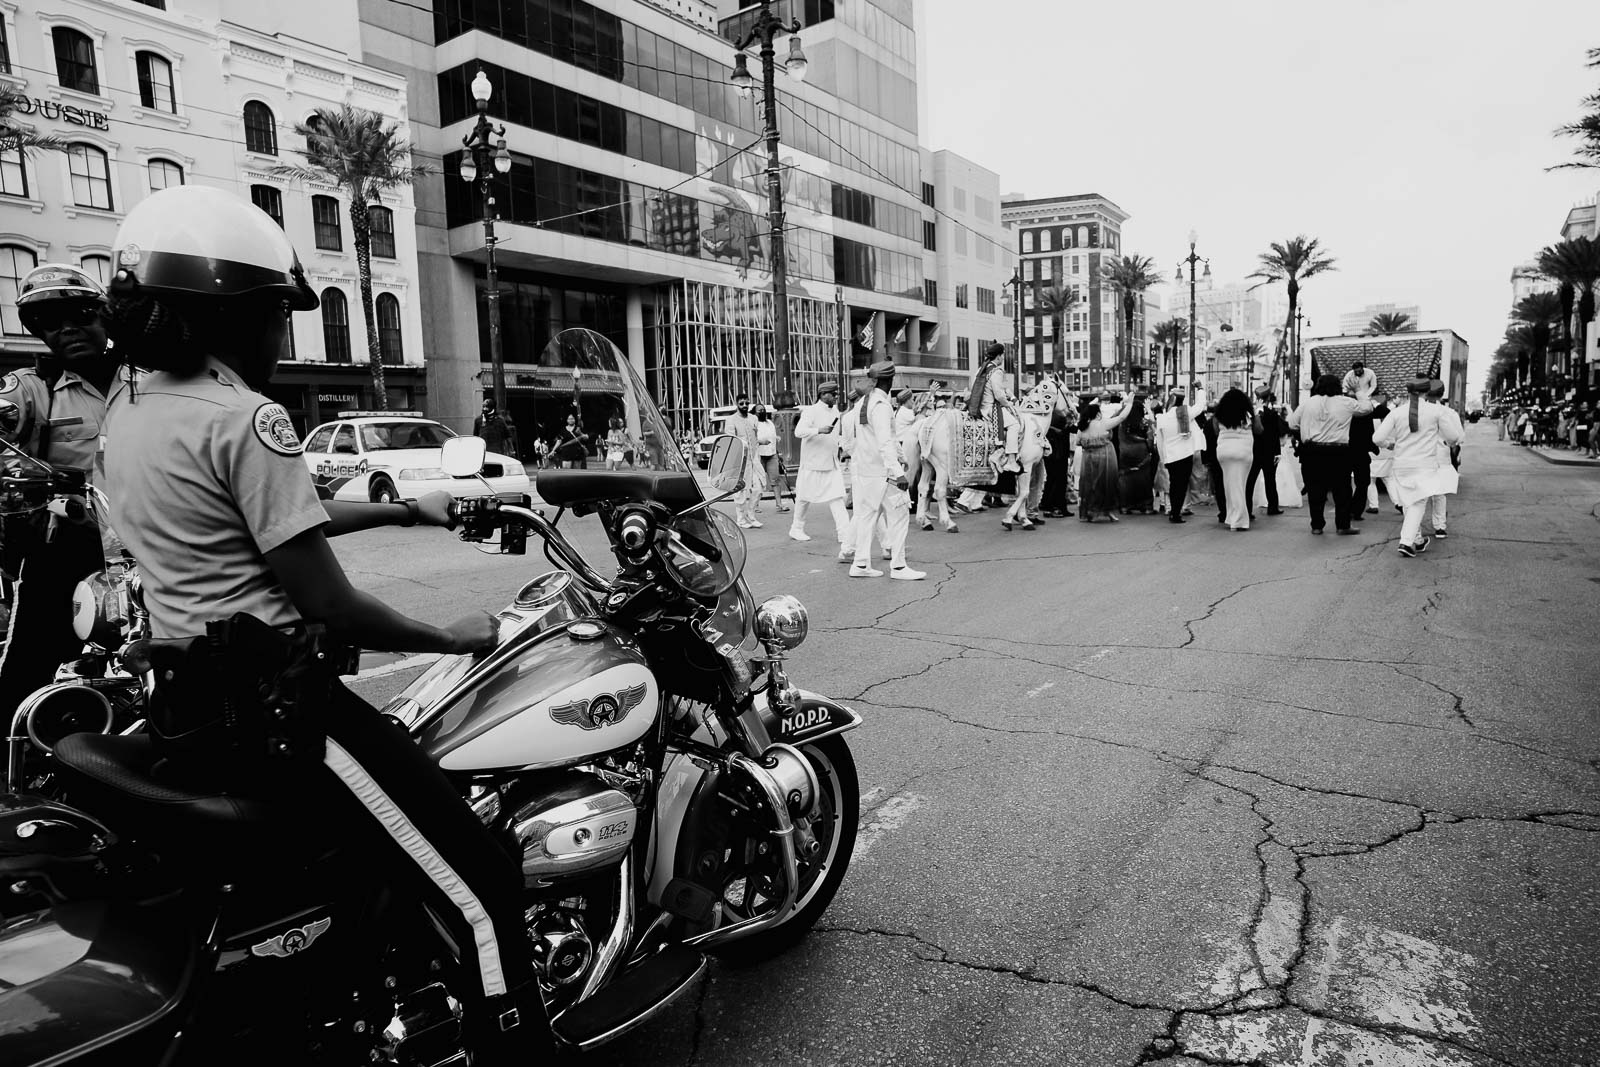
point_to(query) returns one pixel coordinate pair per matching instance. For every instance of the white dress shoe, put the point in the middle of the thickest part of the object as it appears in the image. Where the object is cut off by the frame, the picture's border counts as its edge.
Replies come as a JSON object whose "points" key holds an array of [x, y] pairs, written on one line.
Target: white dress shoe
{"points": [[799, 535], [859, 571]]}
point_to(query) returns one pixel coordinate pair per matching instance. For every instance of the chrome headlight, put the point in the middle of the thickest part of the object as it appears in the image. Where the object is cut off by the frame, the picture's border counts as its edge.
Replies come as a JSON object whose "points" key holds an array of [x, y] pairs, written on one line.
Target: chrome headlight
{"points": [[782, 621]]}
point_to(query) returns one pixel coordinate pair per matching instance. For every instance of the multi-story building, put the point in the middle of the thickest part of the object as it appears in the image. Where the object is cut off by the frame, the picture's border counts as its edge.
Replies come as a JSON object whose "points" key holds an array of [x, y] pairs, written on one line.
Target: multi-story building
{"points": [[1582, 221], [636, 200], [206, 92], [966, 269], [1228, 317], [1060, 242], [1527, 280], [1352, 323]]}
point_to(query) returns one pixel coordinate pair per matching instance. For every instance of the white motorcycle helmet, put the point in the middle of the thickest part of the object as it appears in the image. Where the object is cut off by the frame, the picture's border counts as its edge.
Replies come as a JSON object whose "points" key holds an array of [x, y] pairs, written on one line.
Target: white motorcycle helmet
{"points": [[197, 241]]}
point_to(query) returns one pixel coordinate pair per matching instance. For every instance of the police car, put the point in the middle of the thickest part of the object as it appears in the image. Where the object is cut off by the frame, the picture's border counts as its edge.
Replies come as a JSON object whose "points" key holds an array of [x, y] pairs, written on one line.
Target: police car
{"points": [[386, 456]]}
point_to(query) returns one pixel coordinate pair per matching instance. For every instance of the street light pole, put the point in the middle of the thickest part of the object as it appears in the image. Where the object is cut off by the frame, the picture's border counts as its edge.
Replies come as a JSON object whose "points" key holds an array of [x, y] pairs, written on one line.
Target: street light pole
{"points": [[1192, 259], [1016, 332], [485, 155], [768, 26]]}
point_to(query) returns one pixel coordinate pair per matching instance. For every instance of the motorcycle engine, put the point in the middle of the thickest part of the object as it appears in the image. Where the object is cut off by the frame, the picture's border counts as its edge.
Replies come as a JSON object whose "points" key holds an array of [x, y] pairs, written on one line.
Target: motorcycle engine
{"points": [[574, 825]]}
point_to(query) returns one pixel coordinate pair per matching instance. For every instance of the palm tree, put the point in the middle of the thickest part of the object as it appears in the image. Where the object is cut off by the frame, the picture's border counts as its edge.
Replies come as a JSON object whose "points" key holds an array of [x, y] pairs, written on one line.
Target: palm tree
{"points": [[13, 136], [1293, 261], [363, 154], [1586, 130], [1535, 316], [1390, 322], [1251, 351], [1057, 300], [1172, 334], [1129, 275], [1575, 264]]}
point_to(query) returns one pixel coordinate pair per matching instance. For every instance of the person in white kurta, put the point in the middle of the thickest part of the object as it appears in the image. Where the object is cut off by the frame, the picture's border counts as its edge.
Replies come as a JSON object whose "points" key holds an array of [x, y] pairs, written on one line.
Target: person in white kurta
{"points": [[1418, 432], [878, 480], [1359, 381], [744, 427], [820, 480], [1438, 506]]}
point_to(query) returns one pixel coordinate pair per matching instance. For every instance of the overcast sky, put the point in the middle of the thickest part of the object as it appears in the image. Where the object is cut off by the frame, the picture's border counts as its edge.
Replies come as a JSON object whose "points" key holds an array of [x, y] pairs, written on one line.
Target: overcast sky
{"points": [[1411, 136]]}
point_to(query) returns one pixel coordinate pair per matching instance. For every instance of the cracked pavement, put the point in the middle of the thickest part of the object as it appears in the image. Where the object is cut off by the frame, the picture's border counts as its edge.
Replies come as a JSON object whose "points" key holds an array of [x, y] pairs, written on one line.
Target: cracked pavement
{"points": [[1176, 796]]}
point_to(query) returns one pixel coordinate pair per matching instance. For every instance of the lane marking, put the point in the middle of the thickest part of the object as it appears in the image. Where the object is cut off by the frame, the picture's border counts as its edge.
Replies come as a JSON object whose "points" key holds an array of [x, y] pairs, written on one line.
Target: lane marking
{"points": [[422, 659], [888, 818], [1036, 690]]}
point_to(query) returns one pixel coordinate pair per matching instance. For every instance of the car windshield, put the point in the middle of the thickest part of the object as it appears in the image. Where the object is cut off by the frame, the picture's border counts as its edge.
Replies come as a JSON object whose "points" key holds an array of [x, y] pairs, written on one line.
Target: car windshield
{"points": [[387, 436]]}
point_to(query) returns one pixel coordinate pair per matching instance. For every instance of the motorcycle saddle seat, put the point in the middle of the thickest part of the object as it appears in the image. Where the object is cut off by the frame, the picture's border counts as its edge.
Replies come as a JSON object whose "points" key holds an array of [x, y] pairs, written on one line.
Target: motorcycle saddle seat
{"points": [[121, 779]]}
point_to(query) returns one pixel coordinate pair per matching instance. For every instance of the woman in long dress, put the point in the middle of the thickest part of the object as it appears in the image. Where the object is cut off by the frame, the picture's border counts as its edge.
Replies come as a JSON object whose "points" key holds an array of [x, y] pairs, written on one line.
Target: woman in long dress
{"points": [[1136, 461], [1236, 443], [1099, 492], [1419, 434]]}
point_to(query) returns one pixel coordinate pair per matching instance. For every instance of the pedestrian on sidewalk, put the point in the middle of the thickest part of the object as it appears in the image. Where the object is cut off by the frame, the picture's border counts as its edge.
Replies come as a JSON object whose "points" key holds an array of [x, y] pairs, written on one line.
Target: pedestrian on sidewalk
{"points": [[1267, 446], [878, 481], [1419, 433], [771, 462], [1178, 440], [820, 480], [1323, 422], [1236, 431], [743, 426]]}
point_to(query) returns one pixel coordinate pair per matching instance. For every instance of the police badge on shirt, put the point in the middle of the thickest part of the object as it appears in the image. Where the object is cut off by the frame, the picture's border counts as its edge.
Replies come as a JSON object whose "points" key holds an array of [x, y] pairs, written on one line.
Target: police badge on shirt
{"points": [[276, 430]]}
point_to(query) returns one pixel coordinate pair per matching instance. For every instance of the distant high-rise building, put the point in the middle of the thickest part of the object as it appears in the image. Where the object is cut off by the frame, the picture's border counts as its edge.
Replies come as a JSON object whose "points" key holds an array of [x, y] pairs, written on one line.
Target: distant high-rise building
{"points": [[966, 268], [1060, 241], [1228, 317], [1354, 323]]}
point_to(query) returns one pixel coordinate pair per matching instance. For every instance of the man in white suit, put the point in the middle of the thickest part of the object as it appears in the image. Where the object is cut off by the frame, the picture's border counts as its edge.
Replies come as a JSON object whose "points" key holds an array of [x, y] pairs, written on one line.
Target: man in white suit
{"points": [[820, 480]]}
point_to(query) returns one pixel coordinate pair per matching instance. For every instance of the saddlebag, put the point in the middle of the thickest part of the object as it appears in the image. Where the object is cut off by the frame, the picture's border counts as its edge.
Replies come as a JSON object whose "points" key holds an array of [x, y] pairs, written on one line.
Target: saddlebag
{"points": [[49, 853], [93, 983]]}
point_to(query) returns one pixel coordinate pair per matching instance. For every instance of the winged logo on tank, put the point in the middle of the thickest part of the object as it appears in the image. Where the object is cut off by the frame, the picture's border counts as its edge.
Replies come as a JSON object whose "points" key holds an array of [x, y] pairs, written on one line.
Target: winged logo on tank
{"points": [[288, 943], [603, 710]]}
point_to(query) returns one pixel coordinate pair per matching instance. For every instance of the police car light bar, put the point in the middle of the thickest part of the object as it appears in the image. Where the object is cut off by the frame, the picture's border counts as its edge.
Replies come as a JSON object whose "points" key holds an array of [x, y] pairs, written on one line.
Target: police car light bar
{"points": [[381, 415]]}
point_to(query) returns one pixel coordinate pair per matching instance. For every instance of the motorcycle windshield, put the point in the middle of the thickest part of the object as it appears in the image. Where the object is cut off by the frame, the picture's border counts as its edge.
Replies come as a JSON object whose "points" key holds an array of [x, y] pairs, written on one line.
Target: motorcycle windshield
{"points": [[611, 420]]}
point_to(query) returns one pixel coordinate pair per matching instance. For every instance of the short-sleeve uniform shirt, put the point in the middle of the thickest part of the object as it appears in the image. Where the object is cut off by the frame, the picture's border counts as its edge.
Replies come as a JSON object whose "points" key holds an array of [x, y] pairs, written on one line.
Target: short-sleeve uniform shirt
{"points": [[73, 409], [205, 477]]}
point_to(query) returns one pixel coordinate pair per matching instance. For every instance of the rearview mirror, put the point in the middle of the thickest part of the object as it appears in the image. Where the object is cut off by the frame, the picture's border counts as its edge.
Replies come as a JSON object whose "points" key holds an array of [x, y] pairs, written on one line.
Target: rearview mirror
{"points": [[726, 467], [463, 457]]}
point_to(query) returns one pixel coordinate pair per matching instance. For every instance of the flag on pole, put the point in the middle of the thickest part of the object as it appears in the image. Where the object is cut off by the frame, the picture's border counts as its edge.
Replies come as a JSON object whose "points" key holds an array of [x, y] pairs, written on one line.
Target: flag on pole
{"points": [[900, 338], [866, 339]]}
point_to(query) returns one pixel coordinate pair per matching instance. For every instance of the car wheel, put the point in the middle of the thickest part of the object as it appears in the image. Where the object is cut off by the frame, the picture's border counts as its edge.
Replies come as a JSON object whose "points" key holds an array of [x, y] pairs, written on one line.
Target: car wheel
{"points": [[383, 492]]}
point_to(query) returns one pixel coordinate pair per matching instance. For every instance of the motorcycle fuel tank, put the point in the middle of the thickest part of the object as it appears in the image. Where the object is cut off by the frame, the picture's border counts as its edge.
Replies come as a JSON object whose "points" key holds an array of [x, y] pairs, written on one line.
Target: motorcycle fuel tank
{"points": [[567, 696]]}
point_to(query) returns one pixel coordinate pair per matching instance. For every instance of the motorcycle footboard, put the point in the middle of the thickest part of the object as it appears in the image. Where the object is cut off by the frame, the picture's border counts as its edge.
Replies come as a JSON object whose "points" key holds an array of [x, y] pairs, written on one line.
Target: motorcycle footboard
{"points": [[92, 983]]}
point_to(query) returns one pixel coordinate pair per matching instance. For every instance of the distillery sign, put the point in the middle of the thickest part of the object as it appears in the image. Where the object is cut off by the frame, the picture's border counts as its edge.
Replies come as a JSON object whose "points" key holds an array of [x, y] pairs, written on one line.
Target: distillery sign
{"points": [[59, 112]]}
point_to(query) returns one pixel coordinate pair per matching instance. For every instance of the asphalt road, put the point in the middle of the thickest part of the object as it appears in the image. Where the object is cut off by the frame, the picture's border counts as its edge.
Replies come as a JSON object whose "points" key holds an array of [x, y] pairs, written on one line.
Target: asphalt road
{"points": [[1142, 793]]}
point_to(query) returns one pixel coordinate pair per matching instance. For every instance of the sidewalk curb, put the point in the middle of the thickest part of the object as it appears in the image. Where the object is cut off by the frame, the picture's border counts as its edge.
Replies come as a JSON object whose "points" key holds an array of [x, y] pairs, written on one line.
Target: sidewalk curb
{"points": [[1591, 464]]}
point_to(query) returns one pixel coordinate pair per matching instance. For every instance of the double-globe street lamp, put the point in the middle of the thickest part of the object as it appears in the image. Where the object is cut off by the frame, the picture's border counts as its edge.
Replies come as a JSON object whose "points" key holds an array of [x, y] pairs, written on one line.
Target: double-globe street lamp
{"points": [[1192, 259], [766, 27], [484, 154]]}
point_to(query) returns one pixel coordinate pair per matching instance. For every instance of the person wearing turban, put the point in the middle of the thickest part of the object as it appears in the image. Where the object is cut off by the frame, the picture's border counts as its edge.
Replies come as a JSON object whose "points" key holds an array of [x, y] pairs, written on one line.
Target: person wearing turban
{"points": [[878, 479], [1419, 434]]}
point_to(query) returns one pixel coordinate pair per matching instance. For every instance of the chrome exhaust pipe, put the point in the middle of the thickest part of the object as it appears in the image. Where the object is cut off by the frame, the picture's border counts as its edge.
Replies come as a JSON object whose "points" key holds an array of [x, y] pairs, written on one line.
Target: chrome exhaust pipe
{"points": [[609, 955]]}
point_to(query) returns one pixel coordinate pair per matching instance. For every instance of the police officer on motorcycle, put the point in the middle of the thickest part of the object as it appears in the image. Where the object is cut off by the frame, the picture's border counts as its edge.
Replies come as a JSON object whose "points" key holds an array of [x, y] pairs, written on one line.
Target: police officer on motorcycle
{"points": [[209, 490], [57, 407]]}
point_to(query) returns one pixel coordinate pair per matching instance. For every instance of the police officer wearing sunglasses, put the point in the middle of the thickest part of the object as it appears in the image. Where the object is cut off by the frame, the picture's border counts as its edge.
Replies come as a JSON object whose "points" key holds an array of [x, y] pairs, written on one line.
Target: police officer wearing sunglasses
{"points": [[56, 410]]}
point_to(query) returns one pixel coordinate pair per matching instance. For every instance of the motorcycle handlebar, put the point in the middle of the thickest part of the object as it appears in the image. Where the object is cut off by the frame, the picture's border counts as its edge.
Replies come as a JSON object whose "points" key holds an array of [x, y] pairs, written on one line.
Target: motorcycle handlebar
{"points": [[554, 541]]}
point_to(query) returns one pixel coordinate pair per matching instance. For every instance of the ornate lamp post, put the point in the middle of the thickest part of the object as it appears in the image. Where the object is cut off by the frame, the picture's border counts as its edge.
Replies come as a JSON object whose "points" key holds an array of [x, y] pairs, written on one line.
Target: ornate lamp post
{"points": [[766, 27], [1016, 332], [484, 155], [1192, 259]]}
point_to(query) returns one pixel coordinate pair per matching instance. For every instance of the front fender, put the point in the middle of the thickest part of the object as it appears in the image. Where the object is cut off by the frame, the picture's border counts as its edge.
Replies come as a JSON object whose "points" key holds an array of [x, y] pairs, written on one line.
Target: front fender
{"points": [[813, 718]]}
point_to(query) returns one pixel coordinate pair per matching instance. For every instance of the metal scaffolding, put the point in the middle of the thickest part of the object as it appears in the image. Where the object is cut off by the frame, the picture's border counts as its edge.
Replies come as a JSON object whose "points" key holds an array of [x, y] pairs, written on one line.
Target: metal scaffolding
{"points": [[709, 343]]}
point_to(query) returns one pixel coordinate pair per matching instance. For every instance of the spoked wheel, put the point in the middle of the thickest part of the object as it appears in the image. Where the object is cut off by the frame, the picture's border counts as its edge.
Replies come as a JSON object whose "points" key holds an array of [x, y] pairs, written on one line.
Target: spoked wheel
{"points": [[751, 888]]}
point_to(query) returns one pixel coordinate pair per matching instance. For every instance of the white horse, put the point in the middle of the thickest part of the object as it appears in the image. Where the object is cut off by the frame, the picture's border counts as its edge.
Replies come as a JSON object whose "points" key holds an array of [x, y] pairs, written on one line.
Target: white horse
{"points": [[928, 461], [1037, 408]]}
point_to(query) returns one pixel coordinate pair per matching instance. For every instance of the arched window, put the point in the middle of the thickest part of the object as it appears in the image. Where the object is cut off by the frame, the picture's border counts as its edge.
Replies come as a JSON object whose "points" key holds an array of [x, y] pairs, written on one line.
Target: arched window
{"points": [[1027, 240], [335, 326], [380, 224], [91, 176], [325, 223], [164, 174], [155, 83], [313, 124], [1044, 240], [15, 263], [75, 60], [260, 129], [97, 267], [390, 349]]}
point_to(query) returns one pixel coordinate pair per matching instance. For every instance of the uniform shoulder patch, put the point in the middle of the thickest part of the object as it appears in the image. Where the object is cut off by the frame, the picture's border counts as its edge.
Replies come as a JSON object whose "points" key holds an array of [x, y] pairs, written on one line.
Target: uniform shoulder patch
{"points": [[10, 382], [276, 431]]}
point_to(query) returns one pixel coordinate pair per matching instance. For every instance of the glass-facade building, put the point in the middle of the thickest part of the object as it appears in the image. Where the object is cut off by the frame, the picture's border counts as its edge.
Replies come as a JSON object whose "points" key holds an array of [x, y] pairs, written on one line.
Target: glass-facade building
{"points": [[636, 203]]}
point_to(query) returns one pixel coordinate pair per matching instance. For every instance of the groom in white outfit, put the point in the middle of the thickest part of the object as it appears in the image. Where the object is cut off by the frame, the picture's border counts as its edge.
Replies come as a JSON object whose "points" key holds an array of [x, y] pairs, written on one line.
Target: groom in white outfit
{"points": [[878, 480], [820, 480]]}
